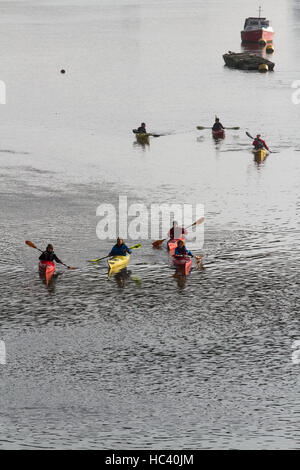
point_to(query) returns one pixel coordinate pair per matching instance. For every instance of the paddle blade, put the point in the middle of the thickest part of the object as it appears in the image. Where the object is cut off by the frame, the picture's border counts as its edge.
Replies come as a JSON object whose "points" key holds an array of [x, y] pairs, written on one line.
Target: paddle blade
{"points": [[72, 267], [30, 244], [249, 135], [200, 128], [135, 247], [199, 221], [157, 244]]}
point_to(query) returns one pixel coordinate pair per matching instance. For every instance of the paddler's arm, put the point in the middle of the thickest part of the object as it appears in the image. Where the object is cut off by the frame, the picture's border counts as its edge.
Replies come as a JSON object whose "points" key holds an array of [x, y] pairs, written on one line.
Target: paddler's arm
{"points": [[265, 145], [42, 256], [128, 249], [57, 259], [188, 252]]}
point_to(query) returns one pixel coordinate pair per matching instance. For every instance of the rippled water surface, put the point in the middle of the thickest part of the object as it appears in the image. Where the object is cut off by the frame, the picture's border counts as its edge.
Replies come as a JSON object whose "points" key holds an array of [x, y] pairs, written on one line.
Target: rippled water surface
{"points": [[146, 359]]}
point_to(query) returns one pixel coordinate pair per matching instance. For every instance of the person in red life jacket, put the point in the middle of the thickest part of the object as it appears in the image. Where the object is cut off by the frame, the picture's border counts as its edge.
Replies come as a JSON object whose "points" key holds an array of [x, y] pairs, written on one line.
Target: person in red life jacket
{"points": [[258, 143], [176, 232], [120, 249], [49, 255], [181, 250], [217, 125]]}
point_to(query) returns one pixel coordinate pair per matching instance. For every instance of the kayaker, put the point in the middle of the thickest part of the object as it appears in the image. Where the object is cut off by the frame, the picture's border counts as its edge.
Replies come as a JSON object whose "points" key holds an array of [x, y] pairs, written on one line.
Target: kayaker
{"points": [[217, 125], [259, 143], [142, 129], [176, 232], [181, 250], [49, 255], [120, 249]]}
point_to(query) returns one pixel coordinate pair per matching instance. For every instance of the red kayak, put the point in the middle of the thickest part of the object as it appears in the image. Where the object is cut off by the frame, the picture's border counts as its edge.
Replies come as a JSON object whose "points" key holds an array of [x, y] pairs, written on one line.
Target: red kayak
{"points": [[47, 268], [220, 134], [172, 244], [183, 262]]}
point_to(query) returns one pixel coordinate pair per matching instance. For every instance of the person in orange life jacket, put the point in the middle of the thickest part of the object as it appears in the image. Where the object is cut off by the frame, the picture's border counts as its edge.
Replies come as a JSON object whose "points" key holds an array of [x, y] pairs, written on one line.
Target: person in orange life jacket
{"points": [[176, 232], [120, 249], [259, 143], [142, 129], [49, 255], [181, 250], [217, 125]]}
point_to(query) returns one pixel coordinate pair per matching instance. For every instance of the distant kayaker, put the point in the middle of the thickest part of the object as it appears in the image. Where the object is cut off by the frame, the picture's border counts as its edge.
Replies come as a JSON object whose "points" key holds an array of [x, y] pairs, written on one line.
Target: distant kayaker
{"points": [[181, 250], [176, 232], [142, 129], [49, 255], [120, 249], [217, 125], [259, 143]]}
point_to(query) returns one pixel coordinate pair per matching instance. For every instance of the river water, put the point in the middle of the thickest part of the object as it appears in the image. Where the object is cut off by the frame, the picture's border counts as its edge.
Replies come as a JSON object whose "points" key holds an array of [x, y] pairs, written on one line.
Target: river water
{"points": [[146, 360]]}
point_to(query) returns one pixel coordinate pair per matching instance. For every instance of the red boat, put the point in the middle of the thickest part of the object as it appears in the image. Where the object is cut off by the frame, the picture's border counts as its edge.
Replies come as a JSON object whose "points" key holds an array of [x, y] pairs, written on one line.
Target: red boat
{"points": [[183, 262], [172, 244], [219, 134], [48, 269], [257, 30]]}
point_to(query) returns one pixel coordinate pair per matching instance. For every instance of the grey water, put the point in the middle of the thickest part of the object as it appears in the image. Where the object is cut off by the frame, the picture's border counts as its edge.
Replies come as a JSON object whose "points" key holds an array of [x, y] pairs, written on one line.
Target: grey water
{"points": [[146, 360]]}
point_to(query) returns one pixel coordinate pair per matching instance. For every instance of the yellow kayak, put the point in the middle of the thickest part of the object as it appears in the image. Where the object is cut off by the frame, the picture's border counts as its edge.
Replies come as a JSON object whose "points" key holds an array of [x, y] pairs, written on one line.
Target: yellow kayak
{"points": [[142, 138], [260, 154], [116, 263]]}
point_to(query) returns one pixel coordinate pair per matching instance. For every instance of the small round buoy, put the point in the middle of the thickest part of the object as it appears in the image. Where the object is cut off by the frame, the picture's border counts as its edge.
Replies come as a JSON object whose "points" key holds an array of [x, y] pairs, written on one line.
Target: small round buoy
{"points": [[270, 49], [62, 71], [262, 42], [263, 68]]}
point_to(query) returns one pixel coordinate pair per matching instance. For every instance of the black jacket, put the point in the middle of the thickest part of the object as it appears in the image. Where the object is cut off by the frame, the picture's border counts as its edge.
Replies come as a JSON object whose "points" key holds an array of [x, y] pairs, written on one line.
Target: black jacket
{"points": [[47, 256]]}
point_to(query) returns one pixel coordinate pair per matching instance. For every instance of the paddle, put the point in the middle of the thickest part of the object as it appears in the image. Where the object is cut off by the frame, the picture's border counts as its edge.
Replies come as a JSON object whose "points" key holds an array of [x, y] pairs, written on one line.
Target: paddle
{"points": [[135, 131], [232, 128], [157, 244], [32, 245], [249, 135], [134, 247]]}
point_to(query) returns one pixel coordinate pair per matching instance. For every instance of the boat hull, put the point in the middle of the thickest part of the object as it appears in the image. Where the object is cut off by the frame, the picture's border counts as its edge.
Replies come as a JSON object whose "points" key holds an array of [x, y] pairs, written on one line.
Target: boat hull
{"points": [[257, 35], [116, 263], [183, 263], [220, 134], [260, 154], [172, 244], [47, 268]]}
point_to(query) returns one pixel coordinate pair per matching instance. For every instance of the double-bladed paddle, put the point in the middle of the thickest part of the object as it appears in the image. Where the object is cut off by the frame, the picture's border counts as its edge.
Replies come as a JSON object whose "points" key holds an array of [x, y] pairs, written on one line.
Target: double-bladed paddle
{"points": [[32, 245], [157, 244], [203, 127], [135, 131], [134, 247]]}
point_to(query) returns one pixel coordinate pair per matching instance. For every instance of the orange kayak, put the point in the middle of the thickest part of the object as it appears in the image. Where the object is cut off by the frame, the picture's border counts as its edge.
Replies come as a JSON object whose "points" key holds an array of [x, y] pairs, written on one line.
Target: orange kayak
{"points": [[47, 268], [184, 263]]}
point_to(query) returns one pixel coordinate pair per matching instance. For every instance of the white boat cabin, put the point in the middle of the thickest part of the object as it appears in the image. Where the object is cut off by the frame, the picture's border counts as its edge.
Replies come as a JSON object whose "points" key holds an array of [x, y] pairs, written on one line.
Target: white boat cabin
{"points": [[252, 24]]}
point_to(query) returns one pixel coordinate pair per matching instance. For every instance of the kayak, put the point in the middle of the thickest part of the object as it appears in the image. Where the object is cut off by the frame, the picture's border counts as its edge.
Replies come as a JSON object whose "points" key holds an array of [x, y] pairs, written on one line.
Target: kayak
{"points": [[183, 262], [220, 134], [172, 244], [260, 154], [116, 263], [47, 268], [142, 138]]}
